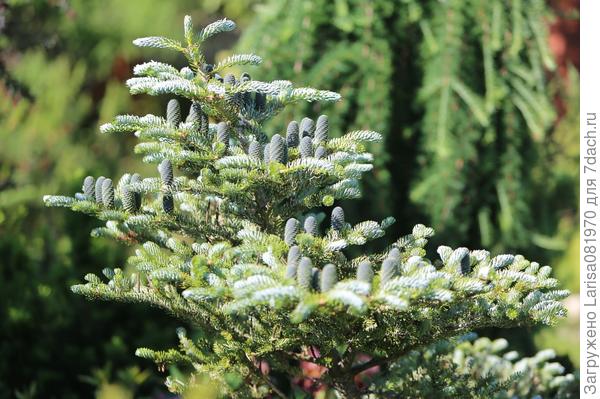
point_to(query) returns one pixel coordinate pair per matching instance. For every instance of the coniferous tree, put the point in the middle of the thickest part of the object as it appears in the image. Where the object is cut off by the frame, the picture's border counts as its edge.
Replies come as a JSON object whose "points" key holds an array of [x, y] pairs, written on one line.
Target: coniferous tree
{"points": [[227, 241]]}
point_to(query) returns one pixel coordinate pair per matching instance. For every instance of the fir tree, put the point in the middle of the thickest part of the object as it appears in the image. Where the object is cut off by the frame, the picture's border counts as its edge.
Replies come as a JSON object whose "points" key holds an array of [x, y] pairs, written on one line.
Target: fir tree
{"points": [[228, 241]]}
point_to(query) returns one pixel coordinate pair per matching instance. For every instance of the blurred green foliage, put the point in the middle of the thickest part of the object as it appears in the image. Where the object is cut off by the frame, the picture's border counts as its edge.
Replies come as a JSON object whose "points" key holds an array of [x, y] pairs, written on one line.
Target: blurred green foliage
{"points": [[463, 91], [62, 64]]}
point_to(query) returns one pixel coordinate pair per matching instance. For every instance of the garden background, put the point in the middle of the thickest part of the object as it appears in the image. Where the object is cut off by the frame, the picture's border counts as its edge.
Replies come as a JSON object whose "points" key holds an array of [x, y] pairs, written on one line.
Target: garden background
{"points": [[486, 168]]}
